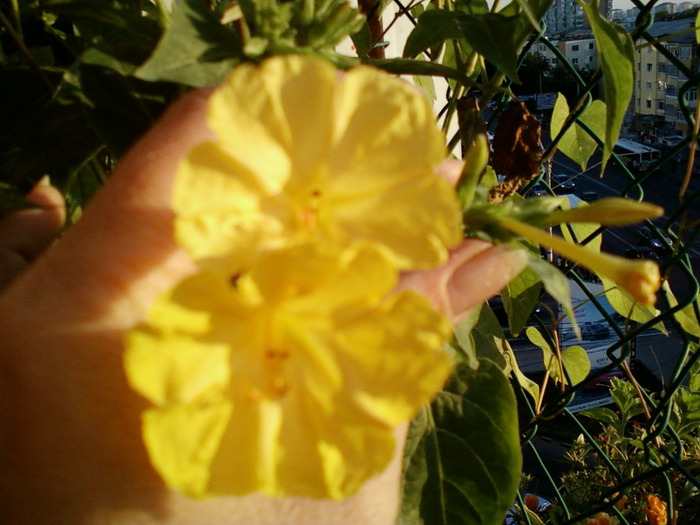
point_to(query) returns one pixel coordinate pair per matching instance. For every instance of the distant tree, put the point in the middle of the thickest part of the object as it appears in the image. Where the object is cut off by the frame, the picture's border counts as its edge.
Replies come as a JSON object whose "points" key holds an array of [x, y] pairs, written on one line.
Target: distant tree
{"points": [[533, 73]]}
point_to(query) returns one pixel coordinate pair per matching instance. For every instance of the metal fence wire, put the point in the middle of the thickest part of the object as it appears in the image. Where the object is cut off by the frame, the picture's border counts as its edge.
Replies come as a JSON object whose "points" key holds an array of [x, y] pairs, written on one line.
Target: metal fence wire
{"points": [[634, 456]]}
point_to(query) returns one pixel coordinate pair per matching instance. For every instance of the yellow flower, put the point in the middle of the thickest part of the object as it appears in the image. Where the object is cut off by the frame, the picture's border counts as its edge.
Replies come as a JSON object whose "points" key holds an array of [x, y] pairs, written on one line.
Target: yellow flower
{"points": [[656, 512], [305, 153], [640, 278], [289, 380]]}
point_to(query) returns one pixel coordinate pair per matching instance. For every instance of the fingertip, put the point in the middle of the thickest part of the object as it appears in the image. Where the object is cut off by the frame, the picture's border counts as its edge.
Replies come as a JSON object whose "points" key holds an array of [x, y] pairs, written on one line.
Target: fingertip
{"points": [[483, 276], [450, 170]]}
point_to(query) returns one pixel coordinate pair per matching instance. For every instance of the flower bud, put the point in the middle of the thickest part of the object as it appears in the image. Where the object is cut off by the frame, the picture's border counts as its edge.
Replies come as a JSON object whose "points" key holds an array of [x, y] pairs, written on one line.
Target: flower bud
{"points": [[612, 211], [640, 278]]}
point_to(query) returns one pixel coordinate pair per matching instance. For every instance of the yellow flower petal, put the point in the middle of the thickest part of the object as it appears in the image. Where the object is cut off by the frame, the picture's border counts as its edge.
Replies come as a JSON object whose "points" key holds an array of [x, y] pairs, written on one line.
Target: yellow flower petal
{"points": [[167, 359], [276, 118], [305, 154], [314, 380], [182, 441], [218, 204]]}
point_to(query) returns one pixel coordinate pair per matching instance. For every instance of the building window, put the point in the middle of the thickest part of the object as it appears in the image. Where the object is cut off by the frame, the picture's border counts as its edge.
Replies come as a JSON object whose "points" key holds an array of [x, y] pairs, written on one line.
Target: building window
{"points": [[648, 104], [672, 71], [670, 91], [660, 105], [679, 115], [661, 67], [660, 86], [554, 61], [691, 95], [589, 59], [650, 67], [574, 61], [574, 47], [649, 85], [684, 52], [590, 45]]}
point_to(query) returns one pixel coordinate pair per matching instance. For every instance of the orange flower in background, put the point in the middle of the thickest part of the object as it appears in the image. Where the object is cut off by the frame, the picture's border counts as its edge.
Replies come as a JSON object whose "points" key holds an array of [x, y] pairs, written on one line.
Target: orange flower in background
{"points": [[657, 511], [602, 518]]}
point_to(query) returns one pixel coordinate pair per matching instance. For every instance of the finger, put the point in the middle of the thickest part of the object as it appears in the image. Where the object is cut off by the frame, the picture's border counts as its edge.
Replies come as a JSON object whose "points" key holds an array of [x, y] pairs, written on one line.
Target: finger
{"points": [[450, 170], [480, 277], [122, 252], [475, 271], [63, 321], [27, 233]]}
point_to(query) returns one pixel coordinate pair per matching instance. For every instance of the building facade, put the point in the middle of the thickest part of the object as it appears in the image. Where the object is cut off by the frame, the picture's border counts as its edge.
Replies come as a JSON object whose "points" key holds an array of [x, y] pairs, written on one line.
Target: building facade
{"points": [[659, 94]]}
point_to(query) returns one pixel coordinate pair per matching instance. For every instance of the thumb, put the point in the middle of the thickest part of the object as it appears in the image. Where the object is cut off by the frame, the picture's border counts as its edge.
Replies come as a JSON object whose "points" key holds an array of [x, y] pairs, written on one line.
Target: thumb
{"points": [[122, 253]]}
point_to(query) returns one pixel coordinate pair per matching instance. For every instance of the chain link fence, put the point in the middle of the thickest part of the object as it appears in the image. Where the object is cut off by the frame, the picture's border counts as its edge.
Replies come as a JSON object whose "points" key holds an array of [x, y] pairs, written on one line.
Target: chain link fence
{"points": [[639, 440]]}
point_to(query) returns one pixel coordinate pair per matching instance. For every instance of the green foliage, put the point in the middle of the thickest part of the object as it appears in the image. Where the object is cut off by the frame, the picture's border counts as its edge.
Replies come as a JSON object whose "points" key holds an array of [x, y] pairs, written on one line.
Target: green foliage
{"points": [[625, 449], [616, 52], [576, 143], [195, 50], [462, 459]]}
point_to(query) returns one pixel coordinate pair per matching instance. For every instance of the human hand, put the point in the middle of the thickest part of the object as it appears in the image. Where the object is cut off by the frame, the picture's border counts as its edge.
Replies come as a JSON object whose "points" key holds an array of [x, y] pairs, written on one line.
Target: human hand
{"points": [[70, 438]]}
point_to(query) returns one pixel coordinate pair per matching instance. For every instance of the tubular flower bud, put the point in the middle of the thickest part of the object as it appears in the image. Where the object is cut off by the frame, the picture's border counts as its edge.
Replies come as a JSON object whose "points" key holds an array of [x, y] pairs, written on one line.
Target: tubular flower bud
{"points": [[612, 211], [640, 278]]}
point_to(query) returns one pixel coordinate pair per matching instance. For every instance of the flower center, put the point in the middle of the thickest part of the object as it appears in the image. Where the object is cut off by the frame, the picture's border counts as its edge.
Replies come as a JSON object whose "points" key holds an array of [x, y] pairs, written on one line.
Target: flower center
{"points": [[276, 384], [309, 211]]}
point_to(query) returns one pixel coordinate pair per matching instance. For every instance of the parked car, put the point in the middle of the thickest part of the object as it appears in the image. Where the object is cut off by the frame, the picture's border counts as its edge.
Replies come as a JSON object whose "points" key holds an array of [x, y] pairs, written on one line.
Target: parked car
{"points": [[537, 191], [642, 252], [563, 184], [658, 242], [589, 196], [595, 330], [671, 140]]}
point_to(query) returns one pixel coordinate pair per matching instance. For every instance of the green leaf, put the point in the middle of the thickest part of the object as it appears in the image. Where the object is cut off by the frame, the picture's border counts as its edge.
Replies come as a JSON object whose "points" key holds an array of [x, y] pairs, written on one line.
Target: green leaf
{"points": [[616, 52], [121, 108], [576, 143], [686, 316], [549, 358], [127, 34], [433, 27], [556, 285], [697, 28], [574, 359], [603, 414], [462, 460], [520, 297], [490, 34], [196, 50], [480, 336], [576, 363], [582, 230], [623, 304]]}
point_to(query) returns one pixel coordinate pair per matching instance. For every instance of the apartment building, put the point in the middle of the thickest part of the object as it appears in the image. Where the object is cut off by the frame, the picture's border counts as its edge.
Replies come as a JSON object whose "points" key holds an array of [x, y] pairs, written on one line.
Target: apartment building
{"points": [[659, 80], [563, 15], [577, 46]]}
